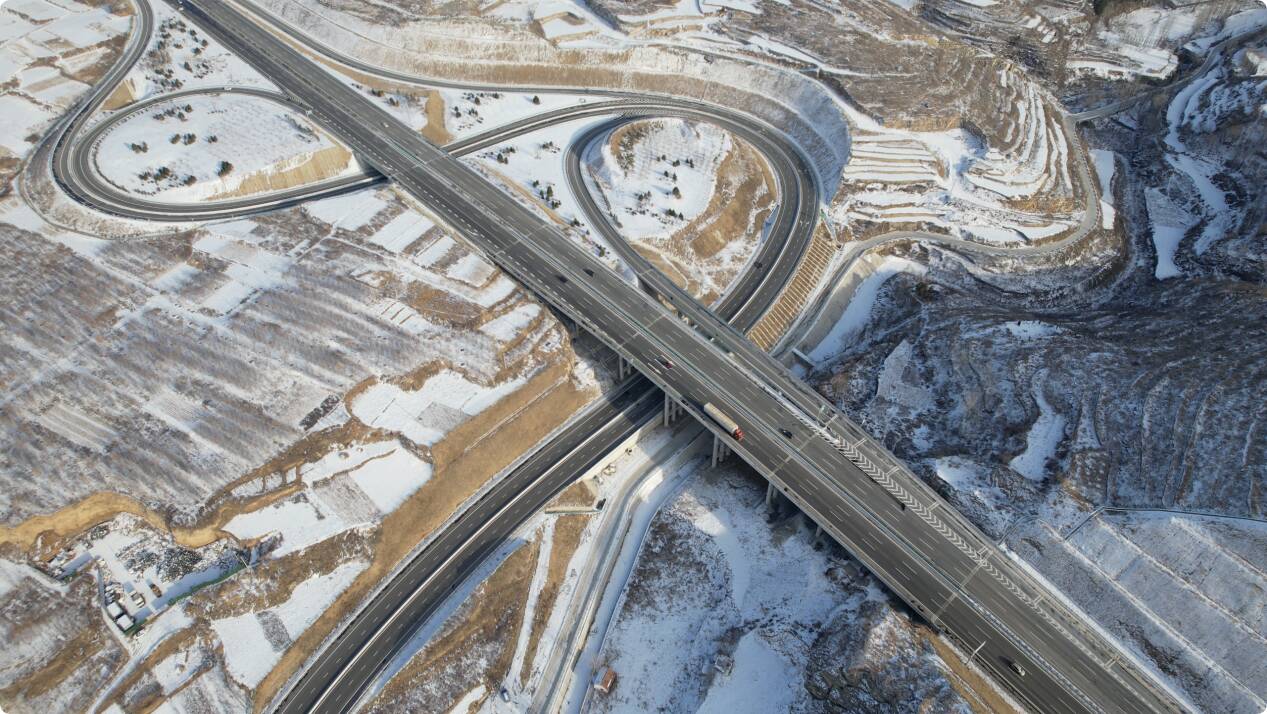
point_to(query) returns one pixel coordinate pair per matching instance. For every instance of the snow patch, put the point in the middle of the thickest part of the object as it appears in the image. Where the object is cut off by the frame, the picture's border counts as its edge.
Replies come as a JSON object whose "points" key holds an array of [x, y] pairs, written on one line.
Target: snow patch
{"points": [[201, 147], [760, 674], [349, 211], [392, 479], [1105, 168], [249, 651], [1044, 436], [638, 185], [425, 415], [858, 313], [402, 231]]}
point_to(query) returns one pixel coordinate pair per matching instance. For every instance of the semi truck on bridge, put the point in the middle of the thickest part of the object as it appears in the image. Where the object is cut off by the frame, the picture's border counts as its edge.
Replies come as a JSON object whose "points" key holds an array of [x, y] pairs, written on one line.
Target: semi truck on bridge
{"points": [[723, 421]]}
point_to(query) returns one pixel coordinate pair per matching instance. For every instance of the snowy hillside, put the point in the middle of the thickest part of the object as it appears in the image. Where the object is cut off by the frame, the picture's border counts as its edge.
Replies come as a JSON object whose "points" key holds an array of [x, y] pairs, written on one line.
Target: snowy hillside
{"points": [[728, 612]]}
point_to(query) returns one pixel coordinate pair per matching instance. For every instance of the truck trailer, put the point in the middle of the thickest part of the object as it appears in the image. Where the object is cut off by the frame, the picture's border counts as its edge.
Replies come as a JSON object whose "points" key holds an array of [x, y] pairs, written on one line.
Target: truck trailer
{"points": [[723, 421]]}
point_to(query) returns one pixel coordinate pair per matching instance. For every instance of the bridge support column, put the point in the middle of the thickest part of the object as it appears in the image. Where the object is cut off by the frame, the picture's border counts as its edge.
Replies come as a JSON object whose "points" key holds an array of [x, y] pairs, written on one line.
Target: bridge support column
{"points": [[777, 505], [623, 368], [720, 450], [671, 410], [818, 537], [573, 329]]}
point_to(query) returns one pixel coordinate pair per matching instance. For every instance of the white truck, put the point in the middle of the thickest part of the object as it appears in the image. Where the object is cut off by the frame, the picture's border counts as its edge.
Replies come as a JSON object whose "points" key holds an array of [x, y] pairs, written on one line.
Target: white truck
{"points": [[723, 421]]}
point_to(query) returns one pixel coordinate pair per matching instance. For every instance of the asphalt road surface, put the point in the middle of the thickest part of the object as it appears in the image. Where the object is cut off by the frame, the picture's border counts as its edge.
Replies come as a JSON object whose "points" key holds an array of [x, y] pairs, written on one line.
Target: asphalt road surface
{"points": [[913, 541]]}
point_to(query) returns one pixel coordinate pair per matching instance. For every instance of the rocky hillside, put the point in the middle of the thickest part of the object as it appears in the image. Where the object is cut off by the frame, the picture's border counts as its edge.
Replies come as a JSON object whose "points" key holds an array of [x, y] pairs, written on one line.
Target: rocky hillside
{"points": [[1111, 434]]}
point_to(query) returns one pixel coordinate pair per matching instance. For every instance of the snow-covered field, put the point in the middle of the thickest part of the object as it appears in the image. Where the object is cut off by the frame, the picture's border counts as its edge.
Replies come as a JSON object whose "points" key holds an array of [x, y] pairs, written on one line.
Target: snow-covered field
{"points": [[213, 351], [467, 113], [180, 57], [686, 194], [535, 162], [205, 147], [424, 415], [638, 177], [373, 479], [254, 642], [44, 46]]}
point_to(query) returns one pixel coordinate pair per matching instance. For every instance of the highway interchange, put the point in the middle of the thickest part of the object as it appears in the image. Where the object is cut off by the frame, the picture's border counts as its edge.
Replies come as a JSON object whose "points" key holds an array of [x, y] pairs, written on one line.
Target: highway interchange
{"points": [[924, 551], [421, 585]]}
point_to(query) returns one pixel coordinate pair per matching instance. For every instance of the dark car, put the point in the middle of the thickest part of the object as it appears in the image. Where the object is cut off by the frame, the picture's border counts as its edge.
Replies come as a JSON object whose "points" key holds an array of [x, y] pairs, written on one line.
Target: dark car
{"points": [[668, 364], [786, 433]]}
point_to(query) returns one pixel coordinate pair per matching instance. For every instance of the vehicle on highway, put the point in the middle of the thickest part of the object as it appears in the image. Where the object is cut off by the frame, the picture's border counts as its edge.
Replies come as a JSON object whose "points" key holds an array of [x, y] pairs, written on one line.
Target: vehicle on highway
{"points": [[668, 364], [1020, 671], [723, 421], [787, 433]]}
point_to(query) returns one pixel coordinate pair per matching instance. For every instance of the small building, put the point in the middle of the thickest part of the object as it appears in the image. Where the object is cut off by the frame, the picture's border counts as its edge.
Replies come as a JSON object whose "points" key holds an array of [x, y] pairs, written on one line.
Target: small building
{"points": [[605, 682], [724, 664], [138, 599], [125, 622], [113, 609]]}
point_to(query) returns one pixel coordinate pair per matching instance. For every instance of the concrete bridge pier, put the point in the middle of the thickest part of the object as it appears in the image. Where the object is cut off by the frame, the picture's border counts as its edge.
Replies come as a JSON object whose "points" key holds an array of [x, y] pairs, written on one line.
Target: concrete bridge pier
{"points": [[671, 410], [623, 368], [648, 288], [573, 329], [777, 504], [721, 450], [818, 537]]}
